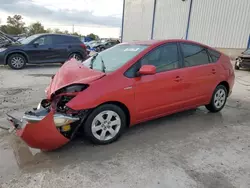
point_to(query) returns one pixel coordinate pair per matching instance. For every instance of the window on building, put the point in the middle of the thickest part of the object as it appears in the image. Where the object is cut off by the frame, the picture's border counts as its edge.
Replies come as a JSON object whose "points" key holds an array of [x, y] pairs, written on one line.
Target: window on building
{"points": [[194, 55]]}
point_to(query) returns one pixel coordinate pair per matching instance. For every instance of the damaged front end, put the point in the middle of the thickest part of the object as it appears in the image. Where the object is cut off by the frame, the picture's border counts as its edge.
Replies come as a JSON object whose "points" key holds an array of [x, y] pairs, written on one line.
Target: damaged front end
{"points": [[52, 124]]}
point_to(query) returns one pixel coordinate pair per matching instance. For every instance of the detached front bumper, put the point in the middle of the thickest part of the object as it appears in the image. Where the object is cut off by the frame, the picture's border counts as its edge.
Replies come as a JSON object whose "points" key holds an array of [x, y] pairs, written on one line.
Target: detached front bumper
{"points": [[42, 134]]}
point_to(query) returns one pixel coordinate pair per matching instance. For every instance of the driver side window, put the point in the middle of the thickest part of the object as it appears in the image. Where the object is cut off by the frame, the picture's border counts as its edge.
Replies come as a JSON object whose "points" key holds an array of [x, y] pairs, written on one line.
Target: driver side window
{"points": [[164, 58], [45, 40]]}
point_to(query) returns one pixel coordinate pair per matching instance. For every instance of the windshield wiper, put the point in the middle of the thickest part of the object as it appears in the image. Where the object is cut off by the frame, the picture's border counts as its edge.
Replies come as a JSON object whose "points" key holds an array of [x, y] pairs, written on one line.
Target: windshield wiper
{"points": [[93, 59], [103, 65]]}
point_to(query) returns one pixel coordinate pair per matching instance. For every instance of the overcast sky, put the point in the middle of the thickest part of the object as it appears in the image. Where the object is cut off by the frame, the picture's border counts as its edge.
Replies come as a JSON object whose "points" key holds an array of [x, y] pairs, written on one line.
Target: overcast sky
{"points": [[102, 17]]}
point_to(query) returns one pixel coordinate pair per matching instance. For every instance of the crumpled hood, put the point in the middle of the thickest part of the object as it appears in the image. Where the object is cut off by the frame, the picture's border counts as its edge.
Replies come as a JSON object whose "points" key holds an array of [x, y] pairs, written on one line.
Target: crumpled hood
{"points": [[72, 72], [11, 46]]}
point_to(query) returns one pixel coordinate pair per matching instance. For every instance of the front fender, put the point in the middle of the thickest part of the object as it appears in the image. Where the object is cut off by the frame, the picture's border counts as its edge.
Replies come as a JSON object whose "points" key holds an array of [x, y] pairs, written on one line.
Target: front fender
{"points": [[15, 51], [98, 93]]}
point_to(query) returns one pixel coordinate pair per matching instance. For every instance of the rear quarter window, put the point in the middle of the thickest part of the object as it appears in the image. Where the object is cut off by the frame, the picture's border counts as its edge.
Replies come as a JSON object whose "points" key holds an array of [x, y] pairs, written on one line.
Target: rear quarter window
{"points": [[74, 39], [214, 55], [58, 40], [65, 40]]}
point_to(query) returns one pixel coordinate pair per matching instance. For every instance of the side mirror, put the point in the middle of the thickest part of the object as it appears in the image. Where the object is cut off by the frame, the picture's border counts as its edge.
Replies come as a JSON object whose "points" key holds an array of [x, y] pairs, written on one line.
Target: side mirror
{"points": [[35, 44], [147, 70]]}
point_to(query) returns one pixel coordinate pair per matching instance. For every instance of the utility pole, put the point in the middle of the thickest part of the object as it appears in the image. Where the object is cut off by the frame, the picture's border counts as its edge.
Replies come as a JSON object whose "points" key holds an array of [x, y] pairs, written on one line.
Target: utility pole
{"points": [[73, 28]]}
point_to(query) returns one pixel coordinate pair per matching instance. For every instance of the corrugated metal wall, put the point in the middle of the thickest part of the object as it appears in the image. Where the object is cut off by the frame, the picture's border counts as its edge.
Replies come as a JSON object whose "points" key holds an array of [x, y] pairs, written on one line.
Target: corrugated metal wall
{"points": [[221, 24], [218, 23], [138, 15], [171, 18]]}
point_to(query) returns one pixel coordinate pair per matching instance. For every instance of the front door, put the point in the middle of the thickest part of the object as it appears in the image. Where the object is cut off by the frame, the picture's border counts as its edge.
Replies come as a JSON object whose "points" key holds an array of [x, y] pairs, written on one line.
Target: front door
{"points": [[41, 50], [159, 94]]}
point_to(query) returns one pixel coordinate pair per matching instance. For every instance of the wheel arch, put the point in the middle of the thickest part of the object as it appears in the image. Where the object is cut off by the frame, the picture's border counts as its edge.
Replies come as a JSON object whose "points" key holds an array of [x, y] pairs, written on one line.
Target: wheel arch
{"points": [[226, 84], [16, 52], [123, 107]]}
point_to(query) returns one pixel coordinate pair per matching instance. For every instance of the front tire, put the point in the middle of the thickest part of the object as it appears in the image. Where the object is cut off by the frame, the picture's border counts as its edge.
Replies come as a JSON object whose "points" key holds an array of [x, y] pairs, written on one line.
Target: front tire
{"points": [[17, 61], [105, 124], [218, 100]]}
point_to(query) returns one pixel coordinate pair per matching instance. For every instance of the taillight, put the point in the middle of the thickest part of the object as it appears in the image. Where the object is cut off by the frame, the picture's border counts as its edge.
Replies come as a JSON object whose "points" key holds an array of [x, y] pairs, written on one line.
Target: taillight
{"points": [[83, 46]]}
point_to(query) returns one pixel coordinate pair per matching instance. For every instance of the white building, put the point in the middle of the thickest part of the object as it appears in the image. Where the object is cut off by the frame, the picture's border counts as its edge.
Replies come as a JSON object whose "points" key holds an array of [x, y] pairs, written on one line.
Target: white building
{"points": [[218, 23]]}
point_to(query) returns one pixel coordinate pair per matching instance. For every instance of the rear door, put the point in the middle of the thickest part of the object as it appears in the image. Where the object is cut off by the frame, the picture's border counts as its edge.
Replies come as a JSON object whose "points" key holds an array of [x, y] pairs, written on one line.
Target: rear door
{"points": [[60, 48], [200, 76], [159, 94]]}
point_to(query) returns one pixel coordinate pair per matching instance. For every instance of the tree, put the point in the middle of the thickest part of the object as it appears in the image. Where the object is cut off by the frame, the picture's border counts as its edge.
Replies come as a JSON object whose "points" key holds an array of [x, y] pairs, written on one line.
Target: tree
{"points": [[15, 25], [56, 30], [76, 34], [36, 28], [49, 30], [93, 36]]}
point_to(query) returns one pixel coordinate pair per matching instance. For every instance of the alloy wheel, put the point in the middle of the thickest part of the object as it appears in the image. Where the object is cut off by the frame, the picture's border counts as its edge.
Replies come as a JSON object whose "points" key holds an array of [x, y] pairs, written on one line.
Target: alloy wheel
{"points": [[76, 56], [106, 125], [17, 62], [219, 98]]}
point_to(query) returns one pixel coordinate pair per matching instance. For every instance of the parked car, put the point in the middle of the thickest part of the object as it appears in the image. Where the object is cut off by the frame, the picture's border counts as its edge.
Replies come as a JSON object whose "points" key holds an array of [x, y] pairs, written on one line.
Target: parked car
{"points": [[92, 44], [243, 61], [105, 45], [42, 48], [125, 85]]}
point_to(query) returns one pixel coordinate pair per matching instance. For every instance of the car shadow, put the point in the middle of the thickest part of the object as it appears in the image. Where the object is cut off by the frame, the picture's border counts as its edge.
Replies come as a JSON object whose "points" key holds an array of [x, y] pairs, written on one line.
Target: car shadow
{"points": [[35, 66], [41, 66]]}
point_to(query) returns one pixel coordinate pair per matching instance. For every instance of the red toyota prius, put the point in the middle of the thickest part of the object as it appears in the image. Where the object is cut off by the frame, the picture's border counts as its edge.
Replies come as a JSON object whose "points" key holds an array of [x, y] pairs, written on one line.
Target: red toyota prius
{"points": [[123, 86]]}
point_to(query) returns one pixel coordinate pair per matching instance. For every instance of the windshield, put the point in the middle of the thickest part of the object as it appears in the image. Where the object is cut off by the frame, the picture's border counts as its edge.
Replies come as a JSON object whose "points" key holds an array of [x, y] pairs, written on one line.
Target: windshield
{"points": [[247, 52], [115, 57], [29, 39]]}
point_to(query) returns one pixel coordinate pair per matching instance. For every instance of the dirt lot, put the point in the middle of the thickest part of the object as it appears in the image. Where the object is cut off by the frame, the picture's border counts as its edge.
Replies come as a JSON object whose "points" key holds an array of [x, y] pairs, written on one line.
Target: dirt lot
{"points": [[189, 149]]}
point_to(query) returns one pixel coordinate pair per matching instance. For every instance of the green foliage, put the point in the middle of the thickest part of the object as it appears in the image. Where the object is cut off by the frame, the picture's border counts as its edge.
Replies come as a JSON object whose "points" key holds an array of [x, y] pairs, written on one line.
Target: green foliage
{"points": [[36, 28], [16, 26], [93, 36]]}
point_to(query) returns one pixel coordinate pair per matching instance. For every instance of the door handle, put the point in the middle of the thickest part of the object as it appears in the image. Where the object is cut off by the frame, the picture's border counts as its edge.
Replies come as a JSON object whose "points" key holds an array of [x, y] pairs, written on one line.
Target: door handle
{"points": [[178, 79], [213, 71]]}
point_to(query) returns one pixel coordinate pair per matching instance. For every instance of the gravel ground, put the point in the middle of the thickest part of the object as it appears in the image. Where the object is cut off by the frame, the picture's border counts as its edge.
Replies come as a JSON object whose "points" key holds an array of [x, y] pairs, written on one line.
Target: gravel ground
{"points": [[189, 149]]}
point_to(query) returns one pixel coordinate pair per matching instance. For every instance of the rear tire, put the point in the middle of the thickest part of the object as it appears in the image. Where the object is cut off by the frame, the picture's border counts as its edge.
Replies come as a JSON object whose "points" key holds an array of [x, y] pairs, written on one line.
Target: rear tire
{"points": [[105, 124], [77, 56], [16, 61], [218, 100]]}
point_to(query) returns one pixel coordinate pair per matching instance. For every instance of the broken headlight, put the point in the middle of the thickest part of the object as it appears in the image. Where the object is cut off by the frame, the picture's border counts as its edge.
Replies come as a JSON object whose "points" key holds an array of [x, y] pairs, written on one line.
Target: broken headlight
{"points": [[72, 88], [61, 120]]}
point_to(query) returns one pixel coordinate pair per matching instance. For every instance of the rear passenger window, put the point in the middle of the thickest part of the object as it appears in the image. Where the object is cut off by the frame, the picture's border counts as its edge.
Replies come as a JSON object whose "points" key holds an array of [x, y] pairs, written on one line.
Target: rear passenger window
{"points": [[214, 55], [65, 39], [58, 39], [194, 55], [72, 39]]}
